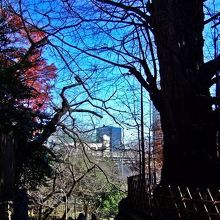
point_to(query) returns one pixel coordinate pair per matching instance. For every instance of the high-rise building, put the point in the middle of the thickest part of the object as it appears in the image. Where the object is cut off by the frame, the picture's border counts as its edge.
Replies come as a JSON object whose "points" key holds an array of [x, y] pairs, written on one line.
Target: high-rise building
{"points": [[110, 137]]}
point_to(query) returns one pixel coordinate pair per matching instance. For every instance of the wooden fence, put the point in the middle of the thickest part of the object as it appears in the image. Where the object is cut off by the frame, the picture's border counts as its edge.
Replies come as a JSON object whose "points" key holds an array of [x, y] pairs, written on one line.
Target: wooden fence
{"points": [[174, 202]]}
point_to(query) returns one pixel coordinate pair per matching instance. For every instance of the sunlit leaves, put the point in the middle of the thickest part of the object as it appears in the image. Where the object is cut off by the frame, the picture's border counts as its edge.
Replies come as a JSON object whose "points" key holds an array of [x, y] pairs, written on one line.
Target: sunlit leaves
{"points": [[22, 58]]}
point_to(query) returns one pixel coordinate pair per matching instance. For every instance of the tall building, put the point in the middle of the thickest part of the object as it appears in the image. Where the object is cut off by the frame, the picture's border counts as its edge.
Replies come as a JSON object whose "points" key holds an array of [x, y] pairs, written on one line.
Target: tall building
{"points": [[110, 137]]}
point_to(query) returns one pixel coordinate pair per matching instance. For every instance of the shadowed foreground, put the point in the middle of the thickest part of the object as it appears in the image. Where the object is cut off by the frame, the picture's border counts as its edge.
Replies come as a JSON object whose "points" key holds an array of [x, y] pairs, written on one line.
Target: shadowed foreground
{"points": [[169, 202]]}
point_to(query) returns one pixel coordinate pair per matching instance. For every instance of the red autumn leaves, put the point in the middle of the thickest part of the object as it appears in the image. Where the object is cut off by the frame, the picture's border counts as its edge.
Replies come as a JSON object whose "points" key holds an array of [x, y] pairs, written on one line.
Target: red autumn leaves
{"points": [[24, 46]]}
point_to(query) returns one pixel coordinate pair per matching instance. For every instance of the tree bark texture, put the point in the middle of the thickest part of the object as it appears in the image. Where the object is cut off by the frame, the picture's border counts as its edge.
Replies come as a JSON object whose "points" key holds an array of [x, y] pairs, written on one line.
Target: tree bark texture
{"points": [[187, 118], [20, 203], [7, 172], [7, 166]]}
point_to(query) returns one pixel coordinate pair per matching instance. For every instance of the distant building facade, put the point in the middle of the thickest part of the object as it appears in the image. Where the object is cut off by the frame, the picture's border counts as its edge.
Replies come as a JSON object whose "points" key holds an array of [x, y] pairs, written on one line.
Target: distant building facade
{"points": [[110, 137]]}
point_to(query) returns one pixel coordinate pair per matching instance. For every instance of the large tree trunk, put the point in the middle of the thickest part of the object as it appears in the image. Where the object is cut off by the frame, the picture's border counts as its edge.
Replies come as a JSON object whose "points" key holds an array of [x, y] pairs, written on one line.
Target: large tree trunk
{"points": [[20, 203], [7, 170], [7, 181], [186, 112]]}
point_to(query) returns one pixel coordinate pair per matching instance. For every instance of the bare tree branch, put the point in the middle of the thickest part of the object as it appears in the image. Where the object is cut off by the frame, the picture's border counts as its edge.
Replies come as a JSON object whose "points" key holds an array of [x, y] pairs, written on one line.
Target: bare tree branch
{"points": [[126, 8], [212, 18]]}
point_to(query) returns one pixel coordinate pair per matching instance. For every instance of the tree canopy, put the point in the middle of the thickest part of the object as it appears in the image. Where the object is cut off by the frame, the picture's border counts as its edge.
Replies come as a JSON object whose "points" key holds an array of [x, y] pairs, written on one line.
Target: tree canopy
{"points": [[25, 90]]}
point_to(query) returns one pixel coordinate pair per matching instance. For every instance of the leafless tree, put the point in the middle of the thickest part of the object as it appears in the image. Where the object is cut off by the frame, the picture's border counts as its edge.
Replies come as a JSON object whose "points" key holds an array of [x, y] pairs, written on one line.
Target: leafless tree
{"points": [[79, 172], [160, 41], [152, 41]]}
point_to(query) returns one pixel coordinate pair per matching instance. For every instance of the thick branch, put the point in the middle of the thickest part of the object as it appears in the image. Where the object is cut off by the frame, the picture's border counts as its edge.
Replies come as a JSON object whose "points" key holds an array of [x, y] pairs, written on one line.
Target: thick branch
{"points": [[126, 8], [151, 87], [212, 18], [210, 68], [86, 111], [24, 62], [51, 126], [214, 81]]}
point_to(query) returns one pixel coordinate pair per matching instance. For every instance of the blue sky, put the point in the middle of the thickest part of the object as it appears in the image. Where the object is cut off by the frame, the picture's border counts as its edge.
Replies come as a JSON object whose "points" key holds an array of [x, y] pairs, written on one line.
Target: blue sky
{"points": [[101, 79]]}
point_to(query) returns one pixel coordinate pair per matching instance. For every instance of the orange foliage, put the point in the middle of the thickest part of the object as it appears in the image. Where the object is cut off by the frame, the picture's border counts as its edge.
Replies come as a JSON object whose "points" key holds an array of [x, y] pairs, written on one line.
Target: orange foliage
{"points": [[39, 74]]}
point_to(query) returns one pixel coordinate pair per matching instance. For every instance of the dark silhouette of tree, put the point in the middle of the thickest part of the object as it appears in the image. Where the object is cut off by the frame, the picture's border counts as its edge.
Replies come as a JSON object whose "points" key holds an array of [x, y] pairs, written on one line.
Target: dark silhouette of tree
{"points": [[162, 40], [25, 84], [184, 101], [158, 40]]}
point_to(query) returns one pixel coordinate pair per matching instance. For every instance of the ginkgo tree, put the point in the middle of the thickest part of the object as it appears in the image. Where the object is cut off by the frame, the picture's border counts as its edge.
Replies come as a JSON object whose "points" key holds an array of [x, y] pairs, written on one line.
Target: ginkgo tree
{"points": [[166, 46]]}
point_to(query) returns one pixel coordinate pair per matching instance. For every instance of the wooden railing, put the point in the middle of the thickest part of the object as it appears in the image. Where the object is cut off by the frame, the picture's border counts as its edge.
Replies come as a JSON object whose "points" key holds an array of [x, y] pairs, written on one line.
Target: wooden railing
{"points": [[174, 202]]}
